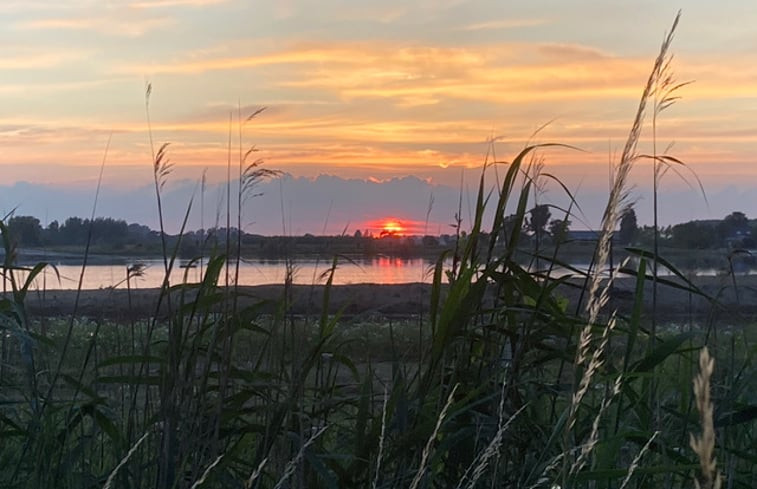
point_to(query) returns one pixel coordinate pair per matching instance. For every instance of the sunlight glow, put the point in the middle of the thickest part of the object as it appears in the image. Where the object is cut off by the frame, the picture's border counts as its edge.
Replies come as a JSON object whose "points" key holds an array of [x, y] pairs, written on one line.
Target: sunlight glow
{"points": [[363, 91], [392, 227]]}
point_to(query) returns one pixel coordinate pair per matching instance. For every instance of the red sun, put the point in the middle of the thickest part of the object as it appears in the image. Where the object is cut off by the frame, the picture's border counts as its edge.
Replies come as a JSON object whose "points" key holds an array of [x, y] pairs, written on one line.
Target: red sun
{"points": [[392, 227]]}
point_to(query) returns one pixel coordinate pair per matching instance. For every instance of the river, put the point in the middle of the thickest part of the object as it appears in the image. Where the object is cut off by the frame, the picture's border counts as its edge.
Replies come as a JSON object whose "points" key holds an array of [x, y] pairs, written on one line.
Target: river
{"points": [[383, 270], [104, 272]]}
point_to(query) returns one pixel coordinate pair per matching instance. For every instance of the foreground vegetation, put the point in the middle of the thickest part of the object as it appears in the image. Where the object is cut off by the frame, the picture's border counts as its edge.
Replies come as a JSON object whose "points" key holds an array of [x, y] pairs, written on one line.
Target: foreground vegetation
{"points": [[520, 391]]}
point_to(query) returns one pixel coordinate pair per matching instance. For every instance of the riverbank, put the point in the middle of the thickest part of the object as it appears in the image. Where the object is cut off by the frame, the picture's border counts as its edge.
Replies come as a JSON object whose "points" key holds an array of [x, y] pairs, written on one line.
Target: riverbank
{"points": [[404, 300]]}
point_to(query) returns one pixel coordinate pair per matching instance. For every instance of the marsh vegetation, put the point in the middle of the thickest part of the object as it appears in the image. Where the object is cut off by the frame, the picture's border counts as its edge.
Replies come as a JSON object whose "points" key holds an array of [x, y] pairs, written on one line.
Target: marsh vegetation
{"points": [[519, 391]]}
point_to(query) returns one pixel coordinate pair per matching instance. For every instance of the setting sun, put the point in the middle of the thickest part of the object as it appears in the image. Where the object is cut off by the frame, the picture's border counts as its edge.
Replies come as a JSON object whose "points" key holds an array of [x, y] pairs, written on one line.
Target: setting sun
{"points": [[392, 228]]}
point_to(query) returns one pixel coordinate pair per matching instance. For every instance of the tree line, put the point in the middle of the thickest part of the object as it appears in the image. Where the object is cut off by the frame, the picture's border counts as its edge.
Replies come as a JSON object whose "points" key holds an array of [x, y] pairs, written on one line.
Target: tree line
{"points": [[74, 231], [733, 231]]}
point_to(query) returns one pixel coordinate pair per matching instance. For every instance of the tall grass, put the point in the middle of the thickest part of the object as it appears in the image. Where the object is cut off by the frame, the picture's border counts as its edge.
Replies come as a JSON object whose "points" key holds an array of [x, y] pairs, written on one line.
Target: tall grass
{"points": [[507, 386]]}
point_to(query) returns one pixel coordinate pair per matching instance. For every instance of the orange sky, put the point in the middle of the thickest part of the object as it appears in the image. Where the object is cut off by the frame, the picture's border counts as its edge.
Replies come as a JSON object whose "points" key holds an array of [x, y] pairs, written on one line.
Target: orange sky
{"points": [[370, 89]]}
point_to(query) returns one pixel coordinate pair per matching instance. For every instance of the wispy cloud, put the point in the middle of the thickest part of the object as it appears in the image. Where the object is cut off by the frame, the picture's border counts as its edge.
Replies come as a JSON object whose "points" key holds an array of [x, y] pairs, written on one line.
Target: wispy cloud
{"points": [[147, 4], [501, 74], [423, 75], [574, 52], [331, 55], [26, 6], [38, 59], [56, 88], [504, 24], [107, 25]]}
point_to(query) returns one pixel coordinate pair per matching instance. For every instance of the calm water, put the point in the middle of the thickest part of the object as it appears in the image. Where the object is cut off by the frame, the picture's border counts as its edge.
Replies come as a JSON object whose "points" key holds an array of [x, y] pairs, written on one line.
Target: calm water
{"points": [[383, 270], [380, 270]]}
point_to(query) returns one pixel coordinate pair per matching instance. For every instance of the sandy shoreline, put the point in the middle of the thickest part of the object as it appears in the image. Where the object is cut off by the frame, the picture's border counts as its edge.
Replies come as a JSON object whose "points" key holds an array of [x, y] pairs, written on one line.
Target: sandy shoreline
{"points": [[397, 300]]}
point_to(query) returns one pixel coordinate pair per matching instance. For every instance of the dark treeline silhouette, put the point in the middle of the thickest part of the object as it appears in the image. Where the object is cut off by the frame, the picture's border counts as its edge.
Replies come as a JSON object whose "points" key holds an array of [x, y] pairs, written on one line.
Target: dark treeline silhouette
{"points": [[198, 242], [733, 231], [74, 231], [118, 236], [115, 235]]}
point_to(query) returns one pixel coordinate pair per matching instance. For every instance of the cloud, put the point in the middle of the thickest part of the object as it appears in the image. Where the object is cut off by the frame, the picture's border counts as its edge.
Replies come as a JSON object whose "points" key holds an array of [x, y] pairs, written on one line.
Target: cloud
{"points": [[110, 25], [25, 6], [572, 52], [504, 24], [39, 59], [413, 76], [53, 87], [148, 4], [375, 106], [332, 55], [421, 75], [509, 75], [352, 203], [347, 203]]}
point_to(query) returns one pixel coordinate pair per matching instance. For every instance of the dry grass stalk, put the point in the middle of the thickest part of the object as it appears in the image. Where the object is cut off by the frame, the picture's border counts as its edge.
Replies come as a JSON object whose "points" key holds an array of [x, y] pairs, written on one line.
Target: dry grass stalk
{"points": [[588, 447], [205, 474], [132, 451], [429, 444], [594, 364], [544, 478], [254, 476], [635, 464], [591, 358], [598, 296], [292, 464], [704, 445], [481, 461], [162, 166], [382, 437], [618, 192]]}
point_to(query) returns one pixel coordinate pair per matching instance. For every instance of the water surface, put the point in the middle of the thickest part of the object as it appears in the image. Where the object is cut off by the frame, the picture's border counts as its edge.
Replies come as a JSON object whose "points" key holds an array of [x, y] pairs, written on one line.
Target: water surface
{"points": [[383, 270], [103, 272]]}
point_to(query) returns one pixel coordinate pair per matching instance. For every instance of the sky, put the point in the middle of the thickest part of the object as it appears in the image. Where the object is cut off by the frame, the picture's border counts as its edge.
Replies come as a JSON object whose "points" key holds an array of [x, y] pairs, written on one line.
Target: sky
{"points": [[364, 99]]}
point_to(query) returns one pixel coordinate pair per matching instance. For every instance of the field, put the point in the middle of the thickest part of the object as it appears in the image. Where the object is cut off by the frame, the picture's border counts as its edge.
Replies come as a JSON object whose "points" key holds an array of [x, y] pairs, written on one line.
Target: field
{"points": [[362, 372], [363, 368], [494, 375]]}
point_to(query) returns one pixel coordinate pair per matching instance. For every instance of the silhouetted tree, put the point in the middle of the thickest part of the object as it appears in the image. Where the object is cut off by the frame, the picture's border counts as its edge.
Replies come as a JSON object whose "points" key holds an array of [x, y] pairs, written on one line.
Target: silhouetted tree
{"points": [[50, 234], [734, 229], [109, 231], [736, 220], [509, 224], [694, 235], [628, 227], [558, 229], [430, 241], [73, 231], [25, 230], [538, 221], [140, 231]]}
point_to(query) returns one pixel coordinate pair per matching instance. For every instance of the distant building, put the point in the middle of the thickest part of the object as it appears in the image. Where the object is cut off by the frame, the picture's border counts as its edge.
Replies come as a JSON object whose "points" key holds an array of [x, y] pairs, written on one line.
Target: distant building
{"points": [[740, 238]]}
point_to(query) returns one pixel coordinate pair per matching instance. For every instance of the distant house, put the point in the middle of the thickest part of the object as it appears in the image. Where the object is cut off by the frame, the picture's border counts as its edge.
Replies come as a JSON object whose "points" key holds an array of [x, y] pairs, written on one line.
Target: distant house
{"points": [[740, 238]]}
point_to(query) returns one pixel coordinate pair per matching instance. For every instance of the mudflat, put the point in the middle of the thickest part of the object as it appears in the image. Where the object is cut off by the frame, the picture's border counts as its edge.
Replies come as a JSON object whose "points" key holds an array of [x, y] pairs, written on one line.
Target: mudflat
{"points": [[726, 297]]}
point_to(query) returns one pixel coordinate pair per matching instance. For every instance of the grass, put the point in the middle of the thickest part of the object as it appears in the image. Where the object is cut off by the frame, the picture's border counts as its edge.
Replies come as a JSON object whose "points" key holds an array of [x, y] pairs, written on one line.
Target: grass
{"points": [[501, 385]]}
